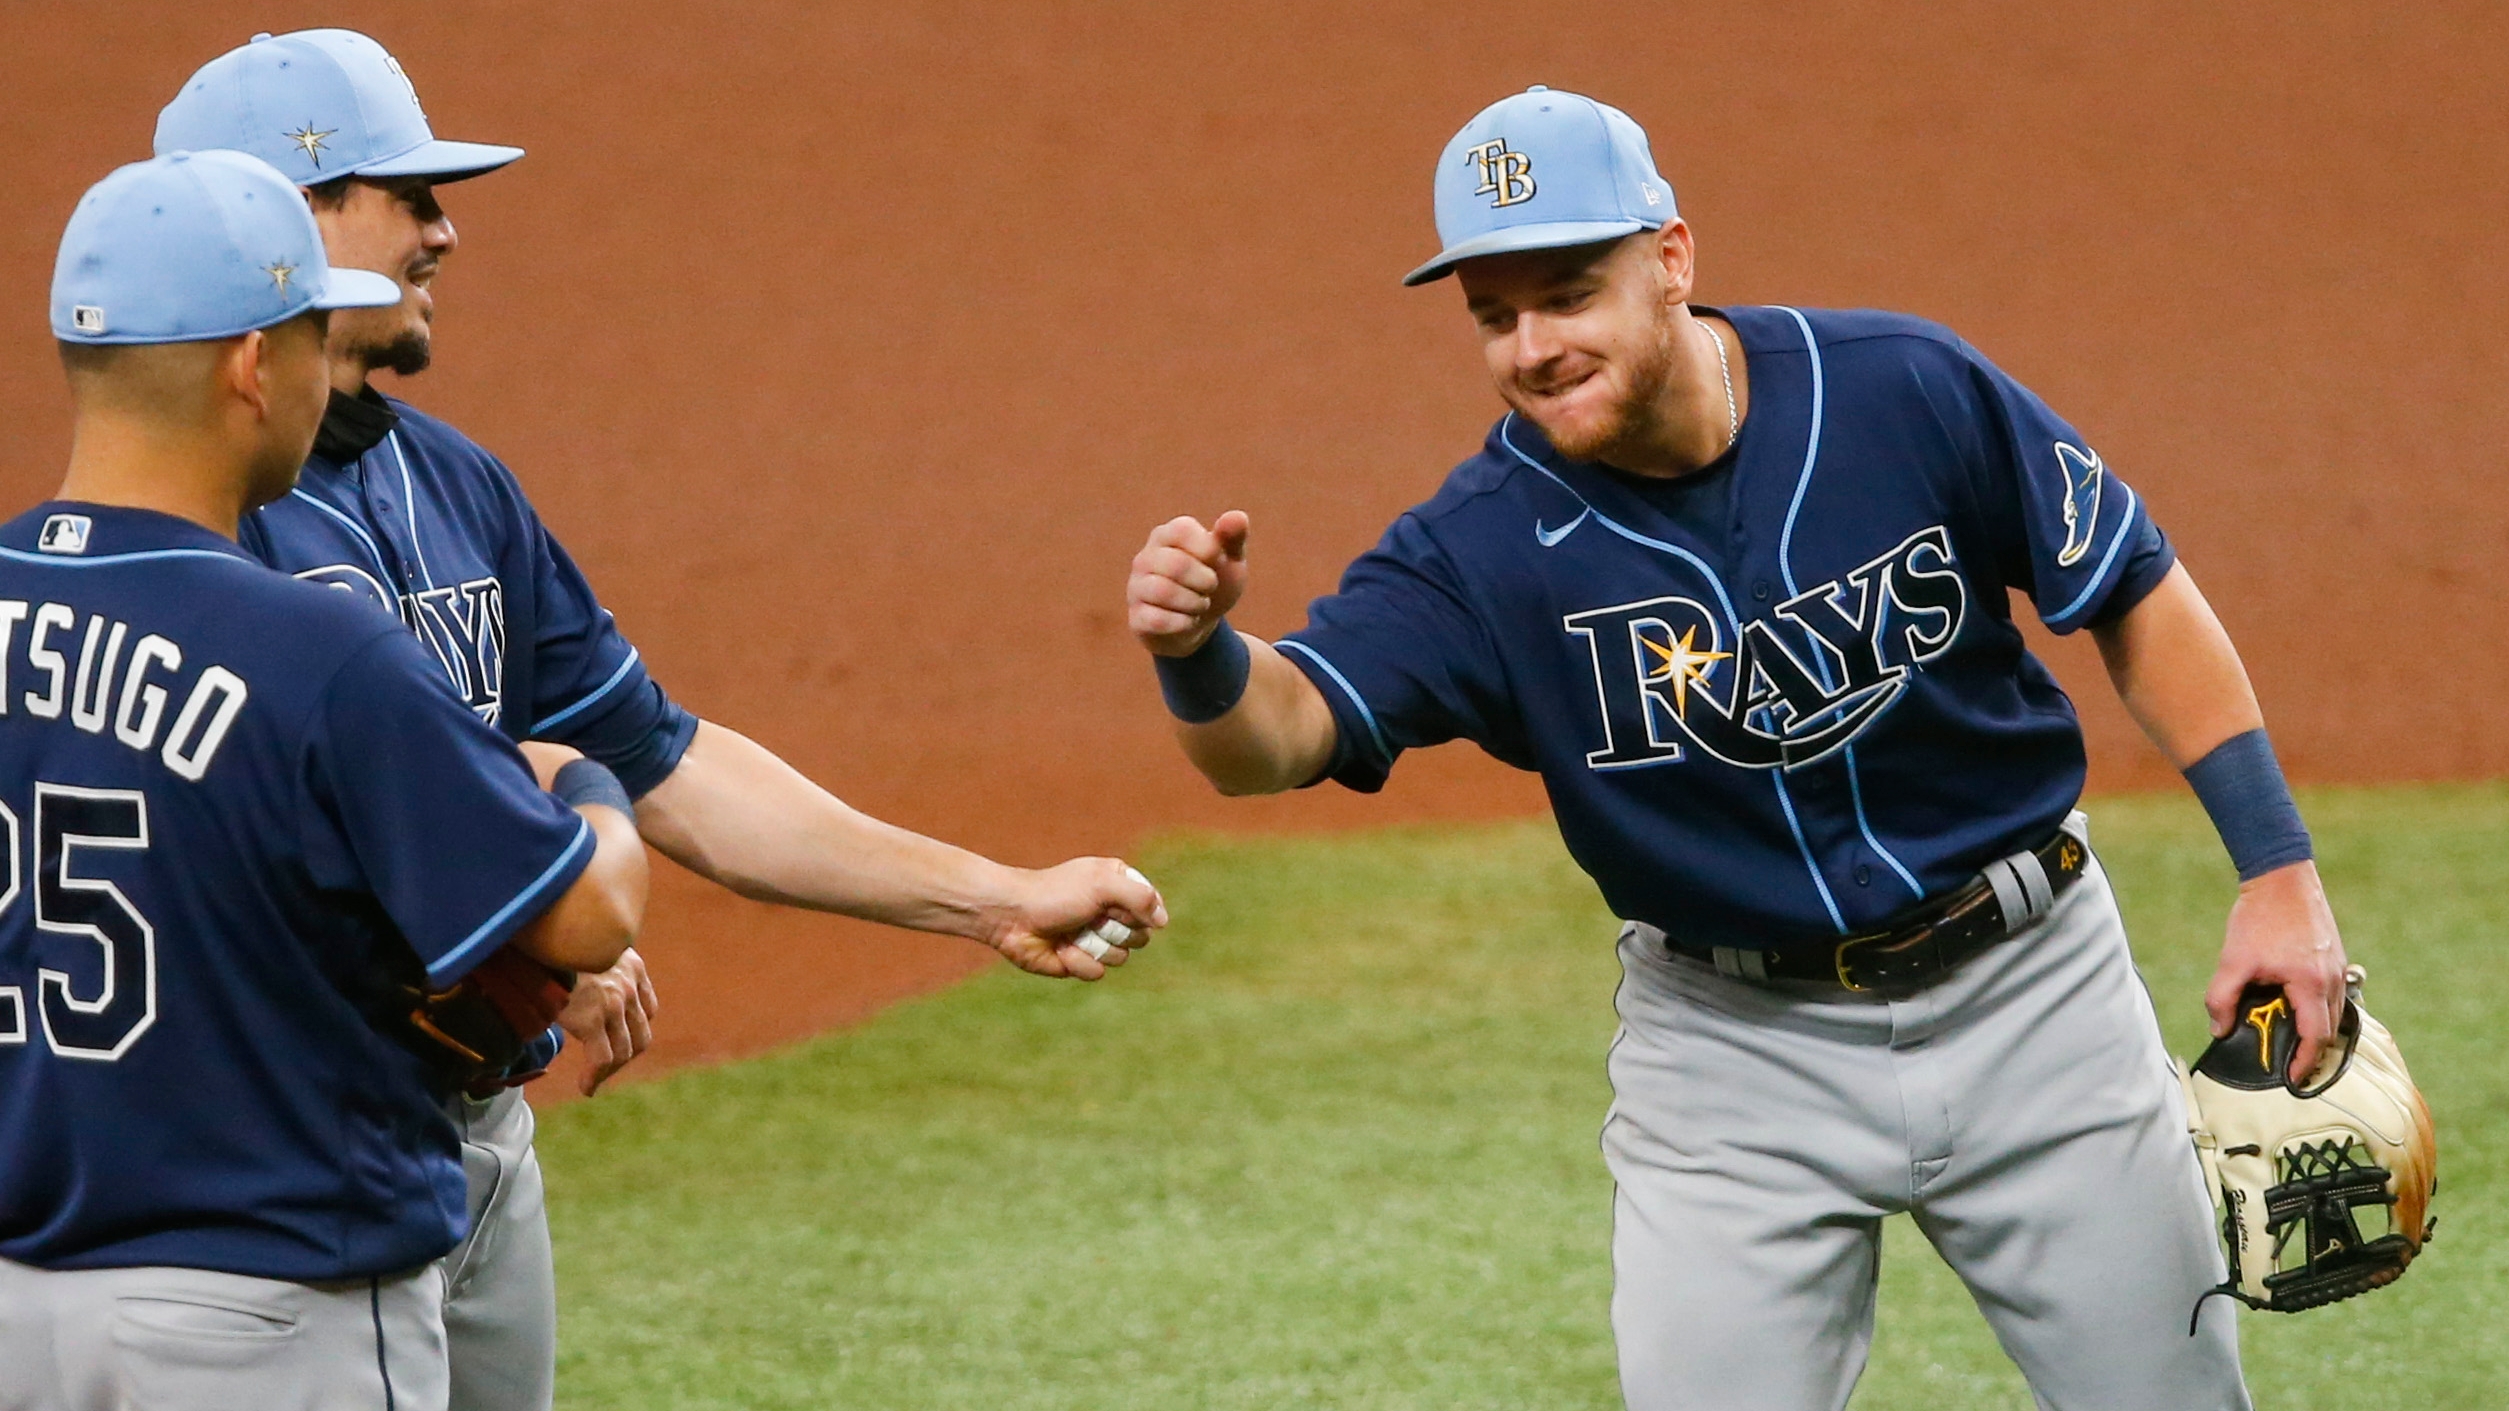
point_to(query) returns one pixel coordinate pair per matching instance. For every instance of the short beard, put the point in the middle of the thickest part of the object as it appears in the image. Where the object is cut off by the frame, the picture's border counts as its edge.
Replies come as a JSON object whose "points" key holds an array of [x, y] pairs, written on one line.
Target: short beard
{"points": [[1632, 418], [407, 354]]}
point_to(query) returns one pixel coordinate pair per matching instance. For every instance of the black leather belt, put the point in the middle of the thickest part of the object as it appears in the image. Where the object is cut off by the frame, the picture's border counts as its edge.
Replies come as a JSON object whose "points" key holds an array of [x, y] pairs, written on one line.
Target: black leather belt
{"points": [[1927, 942]]}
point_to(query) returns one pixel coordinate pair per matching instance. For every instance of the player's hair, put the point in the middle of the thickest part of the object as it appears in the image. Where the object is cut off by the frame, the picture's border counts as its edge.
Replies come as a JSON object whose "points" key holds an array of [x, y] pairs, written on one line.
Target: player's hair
{"points": [[159, 381], [89, 359], [333, 194], [329, 195], [138, 376]]}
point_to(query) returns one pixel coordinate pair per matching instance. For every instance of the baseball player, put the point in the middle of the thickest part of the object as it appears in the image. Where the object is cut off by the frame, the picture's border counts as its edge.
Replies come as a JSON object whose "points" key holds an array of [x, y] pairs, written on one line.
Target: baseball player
{"points": [[240, 813], [399, 509], [1734, 582]]}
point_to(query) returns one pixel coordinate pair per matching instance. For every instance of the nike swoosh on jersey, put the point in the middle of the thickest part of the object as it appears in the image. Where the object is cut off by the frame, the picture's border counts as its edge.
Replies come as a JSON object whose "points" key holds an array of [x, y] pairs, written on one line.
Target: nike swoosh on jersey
{"points": [[1549, 538]]}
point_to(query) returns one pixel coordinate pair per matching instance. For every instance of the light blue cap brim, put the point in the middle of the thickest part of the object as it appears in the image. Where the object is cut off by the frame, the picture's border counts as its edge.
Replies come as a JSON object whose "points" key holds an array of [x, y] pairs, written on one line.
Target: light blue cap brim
{"points": [[442, 160], [357, 289], [1554, 236]]}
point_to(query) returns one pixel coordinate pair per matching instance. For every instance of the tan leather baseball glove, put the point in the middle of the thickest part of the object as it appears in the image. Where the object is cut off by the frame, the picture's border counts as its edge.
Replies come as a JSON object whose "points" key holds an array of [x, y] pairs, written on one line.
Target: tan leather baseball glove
{"points": [[2324, 1187]]}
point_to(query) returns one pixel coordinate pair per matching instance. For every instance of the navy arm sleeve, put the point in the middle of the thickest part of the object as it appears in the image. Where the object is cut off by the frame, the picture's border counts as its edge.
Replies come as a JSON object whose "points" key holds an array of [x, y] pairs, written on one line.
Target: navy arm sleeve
{"points": [[590, 687], [2074, 535], [1403, 661], [418, 803]]}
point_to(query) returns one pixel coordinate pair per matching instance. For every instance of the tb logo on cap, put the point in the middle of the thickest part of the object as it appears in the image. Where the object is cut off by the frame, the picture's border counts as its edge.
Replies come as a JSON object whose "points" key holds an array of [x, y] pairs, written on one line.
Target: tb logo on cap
{"points": [[395, 65], [1506, 177]]}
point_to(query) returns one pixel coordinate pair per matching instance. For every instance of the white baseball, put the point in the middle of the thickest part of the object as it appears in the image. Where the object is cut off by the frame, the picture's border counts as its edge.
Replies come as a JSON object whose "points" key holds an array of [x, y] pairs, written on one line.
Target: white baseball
{"points": [[1111, 934]]}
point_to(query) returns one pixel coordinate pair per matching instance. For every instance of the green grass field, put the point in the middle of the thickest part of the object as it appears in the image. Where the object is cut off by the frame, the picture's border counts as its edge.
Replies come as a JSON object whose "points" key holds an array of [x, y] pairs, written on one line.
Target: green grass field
{"points": [[1331, 1143]]}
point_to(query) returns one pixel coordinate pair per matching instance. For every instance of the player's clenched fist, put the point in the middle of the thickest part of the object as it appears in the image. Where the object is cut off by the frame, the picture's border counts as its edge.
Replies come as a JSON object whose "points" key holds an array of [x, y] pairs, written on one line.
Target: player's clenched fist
{"points": [[1057, 922], [1250, 721], [1184, 581]]}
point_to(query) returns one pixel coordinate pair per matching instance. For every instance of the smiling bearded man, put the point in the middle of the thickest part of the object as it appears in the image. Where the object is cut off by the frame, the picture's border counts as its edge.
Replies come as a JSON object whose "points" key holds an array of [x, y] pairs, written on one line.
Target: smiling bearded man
{"points": [[1734, 582]]}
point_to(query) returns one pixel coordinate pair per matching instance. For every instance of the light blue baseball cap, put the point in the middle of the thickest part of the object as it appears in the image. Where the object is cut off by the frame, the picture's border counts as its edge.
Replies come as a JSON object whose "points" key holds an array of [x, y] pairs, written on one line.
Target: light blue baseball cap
{"points": [[1542, 169], [318, 104], [192, 246]]}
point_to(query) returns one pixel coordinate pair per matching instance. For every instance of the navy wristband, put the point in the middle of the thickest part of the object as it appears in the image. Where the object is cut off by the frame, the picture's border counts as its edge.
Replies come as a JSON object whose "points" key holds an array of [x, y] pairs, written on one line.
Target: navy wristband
{"points": [[2242, 788], [581, 781], [1208, 684]]}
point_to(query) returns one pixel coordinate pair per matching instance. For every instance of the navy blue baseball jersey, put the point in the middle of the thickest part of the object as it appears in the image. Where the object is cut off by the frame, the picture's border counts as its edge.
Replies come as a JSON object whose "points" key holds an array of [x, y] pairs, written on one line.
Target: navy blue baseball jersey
{"points": [[240, 814], [1782, 697], [403, 511]]}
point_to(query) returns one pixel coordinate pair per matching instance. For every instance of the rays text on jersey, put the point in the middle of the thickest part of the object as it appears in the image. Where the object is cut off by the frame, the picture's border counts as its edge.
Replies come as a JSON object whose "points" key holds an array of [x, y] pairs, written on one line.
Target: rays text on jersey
{"points": [[463, 625], [1788, 690]]}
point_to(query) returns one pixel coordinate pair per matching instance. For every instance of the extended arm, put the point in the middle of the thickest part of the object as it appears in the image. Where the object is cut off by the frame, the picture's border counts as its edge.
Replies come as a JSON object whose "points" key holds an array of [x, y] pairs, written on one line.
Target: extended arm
{"points": [[1279, 735], [733, 812], [2181, 679], [1257, 733]]}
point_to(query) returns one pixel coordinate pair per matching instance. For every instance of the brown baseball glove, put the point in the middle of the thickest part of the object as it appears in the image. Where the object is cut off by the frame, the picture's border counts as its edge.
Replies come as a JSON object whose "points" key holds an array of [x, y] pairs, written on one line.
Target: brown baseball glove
{"points": [[479, 1026]]}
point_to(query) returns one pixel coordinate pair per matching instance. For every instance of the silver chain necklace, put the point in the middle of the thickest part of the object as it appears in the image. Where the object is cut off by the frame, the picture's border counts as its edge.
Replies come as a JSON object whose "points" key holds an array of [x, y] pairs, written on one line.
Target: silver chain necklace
{"points": [[1733, 418]]}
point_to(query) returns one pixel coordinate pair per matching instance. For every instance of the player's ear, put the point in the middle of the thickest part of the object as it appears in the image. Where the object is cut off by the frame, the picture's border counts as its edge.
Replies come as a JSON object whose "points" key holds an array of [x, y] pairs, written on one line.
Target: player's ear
{"points": [[243, 368], [1677, 255]]}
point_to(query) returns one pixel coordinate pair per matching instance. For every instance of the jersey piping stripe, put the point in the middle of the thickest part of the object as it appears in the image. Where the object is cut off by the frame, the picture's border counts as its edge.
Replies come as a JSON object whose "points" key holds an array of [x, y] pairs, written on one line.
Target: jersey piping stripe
{"points": [[1820, 884], [1624, 531], [354, 528], [1811, 453], [106, 560], [1786, 570], [586, 703], [409, 505], [488, 929], [1786, 803], [2100, 575], [1349, 690], [1855, 795]]}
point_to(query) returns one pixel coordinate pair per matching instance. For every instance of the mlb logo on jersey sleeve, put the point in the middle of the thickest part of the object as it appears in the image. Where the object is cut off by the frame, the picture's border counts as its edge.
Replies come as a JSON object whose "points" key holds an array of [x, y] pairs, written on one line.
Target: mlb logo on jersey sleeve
{"points": [[65, 534]]}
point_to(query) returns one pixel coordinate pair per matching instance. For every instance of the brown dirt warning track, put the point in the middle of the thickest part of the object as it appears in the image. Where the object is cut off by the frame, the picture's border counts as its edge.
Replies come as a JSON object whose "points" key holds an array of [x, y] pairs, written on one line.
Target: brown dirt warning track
{"points": [[853, 348]]}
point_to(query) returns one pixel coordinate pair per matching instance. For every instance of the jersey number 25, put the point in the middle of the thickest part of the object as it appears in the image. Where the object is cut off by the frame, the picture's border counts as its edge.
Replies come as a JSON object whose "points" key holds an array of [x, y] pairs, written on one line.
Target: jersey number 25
{"points": [[105, 1024]]}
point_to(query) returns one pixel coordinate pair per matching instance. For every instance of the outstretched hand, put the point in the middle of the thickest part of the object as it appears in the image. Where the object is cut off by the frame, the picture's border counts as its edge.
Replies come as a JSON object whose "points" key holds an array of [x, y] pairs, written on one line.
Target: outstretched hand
{"points": [[1184, 581], [2281, 933], [1051, 907]]}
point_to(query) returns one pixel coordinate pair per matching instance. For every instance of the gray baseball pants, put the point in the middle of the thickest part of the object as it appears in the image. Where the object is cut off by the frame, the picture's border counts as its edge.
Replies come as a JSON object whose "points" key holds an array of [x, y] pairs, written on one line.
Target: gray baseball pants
{"points": [[500, 1282], [159, 1339], [2023, 1110]]}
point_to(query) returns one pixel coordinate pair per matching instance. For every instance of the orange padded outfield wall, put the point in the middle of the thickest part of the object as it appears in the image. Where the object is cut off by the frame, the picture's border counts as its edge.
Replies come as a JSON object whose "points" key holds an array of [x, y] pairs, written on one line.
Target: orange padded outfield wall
{"points": [[854, 347]]}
